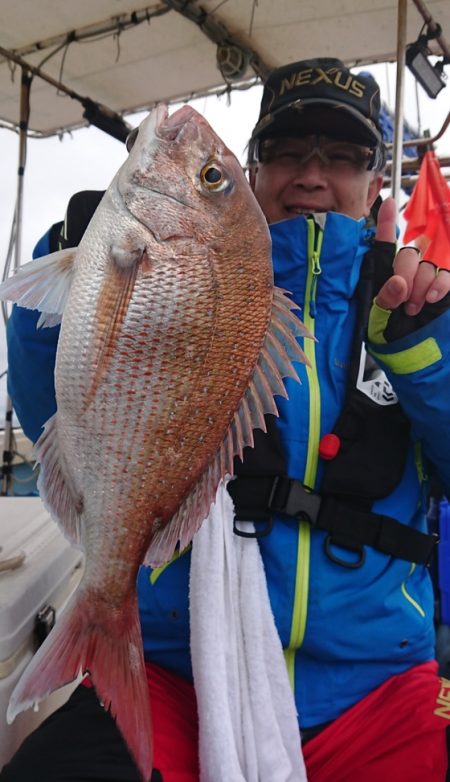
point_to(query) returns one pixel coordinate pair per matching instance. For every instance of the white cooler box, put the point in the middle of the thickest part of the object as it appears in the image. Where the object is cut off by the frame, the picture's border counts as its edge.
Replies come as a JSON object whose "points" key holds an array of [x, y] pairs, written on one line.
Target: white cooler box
{"points": [[39, 570]]}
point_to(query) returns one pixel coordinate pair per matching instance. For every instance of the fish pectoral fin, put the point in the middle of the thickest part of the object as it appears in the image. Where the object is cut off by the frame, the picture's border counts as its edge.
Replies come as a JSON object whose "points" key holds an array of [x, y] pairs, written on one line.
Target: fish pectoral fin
{"points": [[43, 284], [61, 499], [111, 310]]}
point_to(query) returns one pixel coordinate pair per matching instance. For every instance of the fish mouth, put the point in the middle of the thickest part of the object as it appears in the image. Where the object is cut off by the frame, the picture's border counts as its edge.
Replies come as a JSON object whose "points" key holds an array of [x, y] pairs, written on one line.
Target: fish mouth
{"points": [[167, 127]]}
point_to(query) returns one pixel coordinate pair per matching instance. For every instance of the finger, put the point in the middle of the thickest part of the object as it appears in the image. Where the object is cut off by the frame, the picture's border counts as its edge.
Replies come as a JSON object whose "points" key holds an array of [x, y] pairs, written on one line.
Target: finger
{"points": [[439, 287], [422, 283], [406, 264], [386, 221], [393, 293]]}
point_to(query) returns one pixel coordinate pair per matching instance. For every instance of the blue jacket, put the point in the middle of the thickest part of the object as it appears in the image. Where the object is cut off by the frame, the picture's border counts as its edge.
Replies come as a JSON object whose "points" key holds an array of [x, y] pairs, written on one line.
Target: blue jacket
{"points": [[344, 631]]}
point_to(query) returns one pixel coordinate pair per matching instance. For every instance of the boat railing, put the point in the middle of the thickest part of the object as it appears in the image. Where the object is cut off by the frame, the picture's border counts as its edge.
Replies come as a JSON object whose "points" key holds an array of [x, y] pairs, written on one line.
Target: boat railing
{"points": [[411, 165]]}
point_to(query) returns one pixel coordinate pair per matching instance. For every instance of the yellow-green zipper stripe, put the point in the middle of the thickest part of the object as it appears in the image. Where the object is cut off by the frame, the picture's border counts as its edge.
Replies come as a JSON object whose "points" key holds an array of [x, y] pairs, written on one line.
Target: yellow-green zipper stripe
{"points": [[408, 596], [315, 237], [314, 248], [418, 458], [300, 598], [156, 572]]}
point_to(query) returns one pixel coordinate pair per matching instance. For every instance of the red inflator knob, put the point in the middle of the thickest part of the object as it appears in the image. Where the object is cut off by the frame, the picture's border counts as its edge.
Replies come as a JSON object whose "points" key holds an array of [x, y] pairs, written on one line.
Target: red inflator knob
{"points": [[329, 446]]}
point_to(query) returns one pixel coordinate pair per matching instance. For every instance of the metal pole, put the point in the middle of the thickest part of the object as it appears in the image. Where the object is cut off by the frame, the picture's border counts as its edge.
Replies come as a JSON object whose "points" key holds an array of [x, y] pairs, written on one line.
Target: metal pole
{"points": [[397, 149], [24, 117], [25, 85], [94, 112]]}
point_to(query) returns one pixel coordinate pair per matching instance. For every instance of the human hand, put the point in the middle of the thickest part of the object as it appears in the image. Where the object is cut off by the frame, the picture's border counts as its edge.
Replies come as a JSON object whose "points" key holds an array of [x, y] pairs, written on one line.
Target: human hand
{"points": [[414, 283]]}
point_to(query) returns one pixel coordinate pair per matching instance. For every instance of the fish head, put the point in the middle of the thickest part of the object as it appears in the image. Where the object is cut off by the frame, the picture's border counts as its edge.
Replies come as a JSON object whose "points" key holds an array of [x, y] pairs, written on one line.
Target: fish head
{"points": [[182, 182]]}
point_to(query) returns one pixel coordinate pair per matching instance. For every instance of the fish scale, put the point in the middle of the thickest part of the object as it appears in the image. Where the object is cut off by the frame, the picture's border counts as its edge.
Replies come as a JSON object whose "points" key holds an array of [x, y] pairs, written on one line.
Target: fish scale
{"points": [[173, 344]]}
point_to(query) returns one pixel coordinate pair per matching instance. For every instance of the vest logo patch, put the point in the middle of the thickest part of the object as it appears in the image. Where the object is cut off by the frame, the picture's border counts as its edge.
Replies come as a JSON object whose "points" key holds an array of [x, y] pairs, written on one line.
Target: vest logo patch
{"points": [[373, 382], [332, 76], [443, 700]]}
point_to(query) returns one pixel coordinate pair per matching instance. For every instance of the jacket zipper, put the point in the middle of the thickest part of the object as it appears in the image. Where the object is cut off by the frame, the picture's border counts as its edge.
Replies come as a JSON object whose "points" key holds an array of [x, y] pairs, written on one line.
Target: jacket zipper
{"points": [[299, 612]]}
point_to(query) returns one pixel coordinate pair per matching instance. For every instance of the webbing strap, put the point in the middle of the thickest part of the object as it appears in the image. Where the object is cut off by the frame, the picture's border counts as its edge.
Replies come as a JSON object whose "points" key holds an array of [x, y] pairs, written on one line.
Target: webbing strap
{"points": [[257, 498]]}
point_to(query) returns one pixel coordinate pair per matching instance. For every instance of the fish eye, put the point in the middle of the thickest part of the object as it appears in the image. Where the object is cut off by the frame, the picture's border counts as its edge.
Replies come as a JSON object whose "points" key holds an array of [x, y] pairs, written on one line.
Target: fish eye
{"points": [[213, 177], [131, 138]]}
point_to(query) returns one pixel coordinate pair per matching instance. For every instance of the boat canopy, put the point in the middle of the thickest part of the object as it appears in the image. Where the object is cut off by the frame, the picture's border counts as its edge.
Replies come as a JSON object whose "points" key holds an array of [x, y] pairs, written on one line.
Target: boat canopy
{"points": [[129, 56]]}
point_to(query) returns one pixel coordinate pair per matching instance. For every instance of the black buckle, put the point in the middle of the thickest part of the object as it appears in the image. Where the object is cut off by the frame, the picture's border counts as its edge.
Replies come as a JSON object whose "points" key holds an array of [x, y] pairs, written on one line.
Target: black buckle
{"points": [[258, 532], [288, 497]]}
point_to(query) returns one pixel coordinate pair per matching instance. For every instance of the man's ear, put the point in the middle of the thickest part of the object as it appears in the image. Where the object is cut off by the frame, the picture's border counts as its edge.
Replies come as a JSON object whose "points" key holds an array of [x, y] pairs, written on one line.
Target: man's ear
{"points": [[373, 192]]}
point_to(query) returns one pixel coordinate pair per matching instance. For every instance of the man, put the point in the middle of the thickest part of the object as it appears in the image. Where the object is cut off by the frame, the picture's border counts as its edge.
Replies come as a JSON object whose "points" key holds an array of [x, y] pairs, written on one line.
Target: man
{"points": [[337, 485]]}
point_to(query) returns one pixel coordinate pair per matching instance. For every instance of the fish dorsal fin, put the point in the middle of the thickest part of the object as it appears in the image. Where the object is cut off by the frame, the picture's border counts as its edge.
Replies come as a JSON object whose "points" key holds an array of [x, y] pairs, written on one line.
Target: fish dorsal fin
{"points": [[43, 284], [279, 350], [60, 499]]}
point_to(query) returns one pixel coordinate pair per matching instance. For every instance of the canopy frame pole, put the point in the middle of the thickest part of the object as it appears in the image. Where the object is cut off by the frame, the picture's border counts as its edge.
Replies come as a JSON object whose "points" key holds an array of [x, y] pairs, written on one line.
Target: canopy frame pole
{"points": [[432, 26], [8, 437], [397, 148], [23, 141]]}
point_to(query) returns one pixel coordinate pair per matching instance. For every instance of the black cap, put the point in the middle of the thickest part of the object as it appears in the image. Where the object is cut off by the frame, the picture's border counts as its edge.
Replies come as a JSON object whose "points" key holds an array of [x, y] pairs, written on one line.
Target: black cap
{"points": [[320, 96]]}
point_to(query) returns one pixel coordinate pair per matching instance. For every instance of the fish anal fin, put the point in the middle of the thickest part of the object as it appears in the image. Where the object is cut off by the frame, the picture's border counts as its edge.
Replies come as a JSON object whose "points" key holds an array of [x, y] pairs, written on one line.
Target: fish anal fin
{"points": [[61, 500], [187, 520], [111, 650], [43, 284]]}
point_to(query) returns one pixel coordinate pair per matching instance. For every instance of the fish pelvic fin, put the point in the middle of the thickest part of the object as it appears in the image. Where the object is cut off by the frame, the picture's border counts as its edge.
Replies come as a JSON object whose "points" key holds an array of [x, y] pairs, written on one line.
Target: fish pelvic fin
{"points": [[62, 500], [112, 654], [279, 351], [43, 284]]}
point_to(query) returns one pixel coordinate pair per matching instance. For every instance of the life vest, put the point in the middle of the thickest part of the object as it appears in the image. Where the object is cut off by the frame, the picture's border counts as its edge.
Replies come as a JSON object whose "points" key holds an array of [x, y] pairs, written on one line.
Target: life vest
{"points": [[365, 456]]}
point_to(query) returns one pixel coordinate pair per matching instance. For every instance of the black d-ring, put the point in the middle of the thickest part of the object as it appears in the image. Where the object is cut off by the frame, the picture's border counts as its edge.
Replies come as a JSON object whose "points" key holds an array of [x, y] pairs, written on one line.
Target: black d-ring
{"points": [[360, 550], [262, 527]]}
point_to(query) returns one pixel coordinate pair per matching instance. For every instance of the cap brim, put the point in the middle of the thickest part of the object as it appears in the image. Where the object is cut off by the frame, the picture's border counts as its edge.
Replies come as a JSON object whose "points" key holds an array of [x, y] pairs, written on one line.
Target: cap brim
{"points": [[306, 117]]}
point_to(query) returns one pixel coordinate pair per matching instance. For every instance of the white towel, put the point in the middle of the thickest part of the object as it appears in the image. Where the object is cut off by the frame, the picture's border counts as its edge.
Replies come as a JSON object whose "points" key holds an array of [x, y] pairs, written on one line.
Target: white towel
{"points": [[247, 718]]}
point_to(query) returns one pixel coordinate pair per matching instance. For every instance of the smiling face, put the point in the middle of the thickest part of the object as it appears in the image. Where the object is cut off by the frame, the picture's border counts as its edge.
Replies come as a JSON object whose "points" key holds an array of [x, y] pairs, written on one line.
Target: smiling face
{"points": [[313, 174]]}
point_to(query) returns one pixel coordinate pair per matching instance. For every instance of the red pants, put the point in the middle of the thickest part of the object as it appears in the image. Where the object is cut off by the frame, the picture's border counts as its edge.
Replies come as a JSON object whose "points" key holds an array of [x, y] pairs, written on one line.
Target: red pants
{"points": [[396, 734], [175, 725]]}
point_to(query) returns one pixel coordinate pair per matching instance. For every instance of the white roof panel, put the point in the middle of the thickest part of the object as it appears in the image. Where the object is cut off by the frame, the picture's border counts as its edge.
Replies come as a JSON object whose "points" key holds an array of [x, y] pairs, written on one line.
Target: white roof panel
{"points": [[129, 64]]}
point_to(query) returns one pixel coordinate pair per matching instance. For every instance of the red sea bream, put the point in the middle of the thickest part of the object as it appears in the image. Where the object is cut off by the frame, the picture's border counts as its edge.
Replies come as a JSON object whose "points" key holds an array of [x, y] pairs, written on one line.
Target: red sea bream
{"points": [[173, 342]]}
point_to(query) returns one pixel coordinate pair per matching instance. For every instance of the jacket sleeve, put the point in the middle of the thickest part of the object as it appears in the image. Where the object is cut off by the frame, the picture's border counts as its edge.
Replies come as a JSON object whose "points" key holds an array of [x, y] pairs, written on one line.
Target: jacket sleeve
{"points": [[418, 366], [31, 363]]}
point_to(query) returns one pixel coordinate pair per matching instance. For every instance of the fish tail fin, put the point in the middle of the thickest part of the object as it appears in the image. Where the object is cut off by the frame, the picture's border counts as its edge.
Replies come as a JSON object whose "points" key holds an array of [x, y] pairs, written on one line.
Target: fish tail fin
{"points": [[112, 654]]}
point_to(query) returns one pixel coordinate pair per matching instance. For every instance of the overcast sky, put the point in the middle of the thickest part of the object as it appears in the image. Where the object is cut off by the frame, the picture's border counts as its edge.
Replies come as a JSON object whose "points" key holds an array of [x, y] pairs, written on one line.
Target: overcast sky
{"points": [[88, 158]]}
